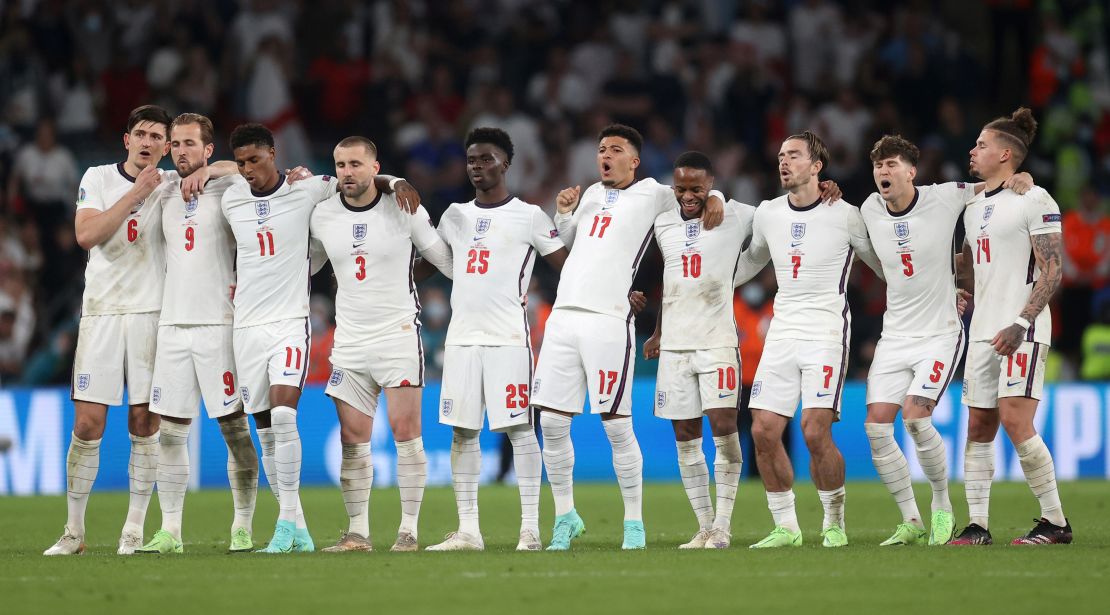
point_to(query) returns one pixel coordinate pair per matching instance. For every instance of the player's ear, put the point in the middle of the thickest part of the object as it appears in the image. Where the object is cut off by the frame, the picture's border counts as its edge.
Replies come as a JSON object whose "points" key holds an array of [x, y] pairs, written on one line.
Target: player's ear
{"points": [[377, 167], [913, 173], [126, 141], [635, 162], [208, 150]]}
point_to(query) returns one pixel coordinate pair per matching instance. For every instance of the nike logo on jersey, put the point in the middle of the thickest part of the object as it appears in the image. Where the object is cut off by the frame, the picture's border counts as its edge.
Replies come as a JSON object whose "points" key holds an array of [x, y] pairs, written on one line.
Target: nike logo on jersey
{"points": [[479, 238], [823, 394], [289, 373], [1014, 383], [724, 395], [903, 242], [358, 245], [983, 226], [263, 220], [795, 244], [521, 413], [228, 402], [187, 216], [690, 243]]}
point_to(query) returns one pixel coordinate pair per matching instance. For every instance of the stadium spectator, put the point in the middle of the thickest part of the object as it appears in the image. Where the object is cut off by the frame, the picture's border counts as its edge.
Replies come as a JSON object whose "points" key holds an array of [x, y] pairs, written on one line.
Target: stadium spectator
{"points": [[43, 182]]}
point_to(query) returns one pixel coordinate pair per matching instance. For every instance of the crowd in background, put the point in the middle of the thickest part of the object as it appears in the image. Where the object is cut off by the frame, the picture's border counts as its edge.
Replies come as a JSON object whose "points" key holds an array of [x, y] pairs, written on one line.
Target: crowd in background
{"points": [[731, 78]]}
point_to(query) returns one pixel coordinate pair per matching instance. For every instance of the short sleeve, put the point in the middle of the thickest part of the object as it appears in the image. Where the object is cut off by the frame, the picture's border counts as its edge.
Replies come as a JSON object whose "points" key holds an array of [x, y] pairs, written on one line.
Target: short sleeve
{"points": [[1042, 214], [89, 193], [423, 234], [447, 224], [322, 187], [544, 235], [955, 194]]}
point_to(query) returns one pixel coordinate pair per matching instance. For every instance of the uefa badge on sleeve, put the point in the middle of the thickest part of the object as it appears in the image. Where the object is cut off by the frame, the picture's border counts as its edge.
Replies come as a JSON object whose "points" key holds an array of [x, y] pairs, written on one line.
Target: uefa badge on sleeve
{"points": [[82, 381]]}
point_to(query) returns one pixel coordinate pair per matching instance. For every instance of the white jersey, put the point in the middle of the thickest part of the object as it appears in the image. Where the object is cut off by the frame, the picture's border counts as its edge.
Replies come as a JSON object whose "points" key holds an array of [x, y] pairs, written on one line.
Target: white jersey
{"points": [[1000, 225], [372, 250], [608, 234], [811, 249], [200, 256], [125, 273], [698, 269], [917, 254], [271, 237], [493, 250]]}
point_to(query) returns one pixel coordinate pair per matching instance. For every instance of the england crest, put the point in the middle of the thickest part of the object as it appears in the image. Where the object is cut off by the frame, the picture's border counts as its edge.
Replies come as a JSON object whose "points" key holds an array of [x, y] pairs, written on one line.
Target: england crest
{"points": [[156, 394], [82, 382], [245, 395], [901, 230], [798, 230], [446, 407], [358, 231], [262, 208], [693, 229], [757, 386], [336, 378], [482, 225], [611, 196], [987, 211], [660, 399], [191, 206]]}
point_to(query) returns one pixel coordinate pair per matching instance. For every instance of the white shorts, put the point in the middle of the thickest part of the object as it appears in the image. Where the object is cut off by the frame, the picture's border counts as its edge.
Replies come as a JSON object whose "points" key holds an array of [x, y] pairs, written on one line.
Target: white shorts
{"points": [[989, 375], [270, 354], [805, 370], [693, 381], [481, 378], [194, 361], [585, 352], [913, 366], [113, 350], [359, 375]]}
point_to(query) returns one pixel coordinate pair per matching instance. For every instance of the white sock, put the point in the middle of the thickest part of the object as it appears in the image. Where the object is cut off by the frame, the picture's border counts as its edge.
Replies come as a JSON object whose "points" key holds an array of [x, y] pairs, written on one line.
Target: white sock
{"points": [[142, 470], [726, 477], [528, 465], [287, 460], [82, 464], [893, 469], [933, 457], [269, 445], [466, 467], [781, 504], [833, 503], [411, 476], [558, 458], [242, 469], [173, 474], [628, 463], [1040, 473], [356, 477], [695, 478], [978, 474]]}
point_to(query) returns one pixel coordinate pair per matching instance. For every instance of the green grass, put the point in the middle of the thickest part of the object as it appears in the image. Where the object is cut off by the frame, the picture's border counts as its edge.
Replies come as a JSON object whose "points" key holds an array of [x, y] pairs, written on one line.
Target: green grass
{"points": [[595, 577]]}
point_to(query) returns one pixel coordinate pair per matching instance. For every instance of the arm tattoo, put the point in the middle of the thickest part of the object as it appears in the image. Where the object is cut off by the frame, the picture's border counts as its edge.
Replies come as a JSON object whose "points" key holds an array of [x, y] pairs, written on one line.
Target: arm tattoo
{"points": [[1048, 249]]}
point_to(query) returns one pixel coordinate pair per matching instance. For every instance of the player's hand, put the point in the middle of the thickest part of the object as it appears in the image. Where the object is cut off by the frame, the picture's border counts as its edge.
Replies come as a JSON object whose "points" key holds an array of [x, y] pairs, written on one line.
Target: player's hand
{"points": [[637, 300], [567, 200], [651, 347], [713, 214], [296, 174], [830, 192], [1019, 182], [1008, 340], [963, 298], [408, 198], [193, 185], [146, 182], [231, 292]]}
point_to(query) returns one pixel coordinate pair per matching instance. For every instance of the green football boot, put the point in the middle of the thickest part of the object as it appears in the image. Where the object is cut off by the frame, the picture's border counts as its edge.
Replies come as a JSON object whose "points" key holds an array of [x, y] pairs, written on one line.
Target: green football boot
{"points": [[905, 534], [834, 537], [942, 529], [302, 541], [163, 543], [240, 541], [779, 537]]}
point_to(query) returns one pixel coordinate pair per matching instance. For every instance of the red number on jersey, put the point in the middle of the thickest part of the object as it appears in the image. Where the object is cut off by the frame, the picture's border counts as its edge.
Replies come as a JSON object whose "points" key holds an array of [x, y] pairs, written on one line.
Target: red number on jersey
{"points": [[477, 261], [604, 222], [983, 251], [691, 265], [602, 375], [265, 241], [726, 378], [1022, 360], [797, 260], [229, 383], [938, 369], [828, 374], [132, 230], [360, 275], [190, 242], [907, 265], [516, 396]]}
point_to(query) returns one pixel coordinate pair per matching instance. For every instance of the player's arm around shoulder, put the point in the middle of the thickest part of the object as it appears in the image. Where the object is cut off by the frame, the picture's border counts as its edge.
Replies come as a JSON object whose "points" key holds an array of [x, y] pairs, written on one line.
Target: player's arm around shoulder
{"points": [[860, 240], [756, 256], [428, 242]]}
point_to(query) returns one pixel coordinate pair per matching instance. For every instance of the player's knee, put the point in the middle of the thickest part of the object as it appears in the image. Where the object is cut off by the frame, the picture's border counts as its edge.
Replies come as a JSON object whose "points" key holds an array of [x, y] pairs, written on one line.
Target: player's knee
{"points": [[982, 426], [406, 429], [142, 422], [684, 431], [765, 436], [1018, 428], [88, 428], [722, 423], [817, 434]]}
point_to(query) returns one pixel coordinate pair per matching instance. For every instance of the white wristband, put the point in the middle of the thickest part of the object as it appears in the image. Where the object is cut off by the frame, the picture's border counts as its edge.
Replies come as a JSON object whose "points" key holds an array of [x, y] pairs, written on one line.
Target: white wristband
{"points": [[393, 183], [1021, 322]]}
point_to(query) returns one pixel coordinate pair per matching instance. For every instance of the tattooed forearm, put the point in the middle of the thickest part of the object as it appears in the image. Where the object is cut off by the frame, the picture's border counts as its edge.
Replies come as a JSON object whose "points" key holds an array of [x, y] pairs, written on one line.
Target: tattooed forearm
{"points": [[1048, 250], [965, 269]]}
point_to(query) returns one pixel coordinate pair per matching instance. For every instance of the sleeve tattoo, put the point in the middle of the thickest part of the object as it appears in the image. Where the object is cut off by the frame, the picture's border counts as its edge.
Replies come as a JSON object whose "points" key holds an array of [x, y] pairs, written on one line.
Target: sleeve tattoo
{"points": [[1048, 250]]}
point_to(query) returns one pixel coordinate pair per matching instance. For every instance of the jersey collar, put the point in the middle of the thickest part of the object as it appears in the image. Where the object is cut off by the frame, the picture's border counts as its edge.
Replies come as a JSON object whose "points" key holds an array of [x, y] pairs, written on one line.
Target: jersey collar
{"points": [[349, 207], [989, 194], [806, 208], [492, 205], [124, 173], [913, 203], [281, 181]]}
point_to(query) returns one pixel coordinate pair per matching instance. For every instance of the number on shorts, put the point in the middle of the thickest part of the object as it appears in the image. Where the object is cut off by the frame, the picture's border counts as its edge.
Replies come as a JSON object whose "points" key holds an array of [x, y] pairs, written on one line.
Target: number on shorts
{"points": [[1022, 360], [132, 230], [907, 265], [938, 369], [828, 374], [516, 396], [289, 357], [691, 265], [229, 383], [604, 222], [360, 275], [726, 376], [606, 388], [797, 260], [264, 241], [190, 239], [477, 261]]}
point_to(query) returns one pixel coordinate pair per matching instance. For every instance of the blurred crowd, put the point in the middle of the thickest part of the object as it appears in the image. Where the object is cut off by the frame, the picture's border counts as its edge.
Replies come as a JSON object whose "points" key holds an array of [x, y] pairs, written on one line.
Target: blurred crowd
{"points": [[728, 77]]}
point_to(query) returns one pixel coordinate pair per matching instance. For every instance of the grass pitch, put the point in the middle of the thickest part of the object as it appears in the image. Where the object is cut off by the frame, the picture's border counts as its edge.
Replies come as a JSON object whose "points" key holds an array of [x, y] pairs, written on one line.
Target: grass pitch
{"points": [[595, 577]]}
